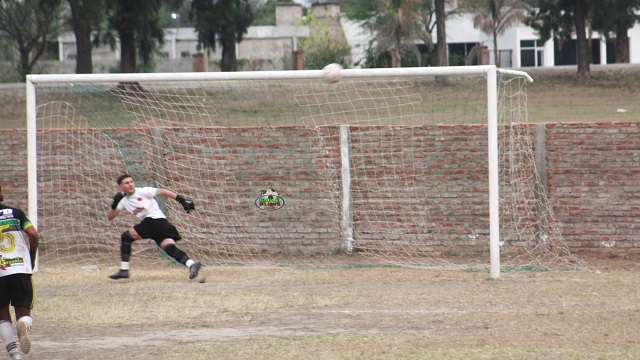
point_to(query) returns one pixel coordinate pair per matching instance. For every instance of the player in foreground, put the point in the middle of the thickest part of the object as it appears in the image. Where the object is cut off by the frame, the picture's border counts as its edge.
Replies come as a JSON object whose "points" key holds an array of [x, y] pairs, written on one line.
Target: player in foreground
{"points": [[141, 202], [17, 259]]}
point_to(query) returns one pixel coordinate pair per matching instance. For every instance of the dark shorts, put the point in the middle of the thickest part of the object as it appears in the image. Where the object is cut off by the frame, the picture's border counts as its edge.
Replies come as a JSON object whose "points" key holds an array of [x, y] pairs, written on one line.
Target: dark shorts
{"points": [[157, 229], [17, 290]]}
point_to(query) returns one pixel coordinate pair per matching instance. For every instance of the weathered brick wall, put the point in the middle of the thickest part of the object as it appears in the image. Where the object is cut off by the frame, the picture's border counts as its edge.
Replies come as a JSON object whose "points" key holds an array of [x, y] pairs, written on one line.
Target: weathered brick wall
{"points": [[593, 180], [594, 184], [13, 177], [420, 188], [235, 164]]}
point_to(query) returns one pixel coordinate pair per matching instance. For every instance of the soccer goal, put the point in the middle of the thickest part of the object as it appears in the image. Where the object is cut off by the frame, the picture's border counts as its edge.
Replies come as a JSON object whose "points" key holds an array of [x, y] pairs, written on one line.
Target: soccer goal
{"points": [[408, 167]]}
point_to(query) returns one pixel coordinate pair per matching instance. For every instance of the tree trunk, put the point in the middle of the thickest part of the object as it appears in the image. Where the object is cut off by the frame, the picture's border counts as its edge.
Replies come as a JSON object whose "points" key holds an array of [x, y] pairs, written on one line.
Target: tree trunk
{"points": [[584, 59], [29, 54], [24, 65], [442, 36], [496, 53], [82, 30], [127, 53], [394, 58], [229, 62], [622, 43]]}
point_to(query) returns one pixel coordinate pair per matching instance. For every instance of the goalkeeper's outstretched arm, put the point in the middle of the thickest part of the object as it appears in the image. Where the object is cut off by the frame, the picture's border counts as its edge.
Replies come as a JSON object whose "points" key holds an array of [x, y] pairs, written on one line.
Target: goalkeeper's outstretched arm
{"points": [[167, 193], [187, 204]]}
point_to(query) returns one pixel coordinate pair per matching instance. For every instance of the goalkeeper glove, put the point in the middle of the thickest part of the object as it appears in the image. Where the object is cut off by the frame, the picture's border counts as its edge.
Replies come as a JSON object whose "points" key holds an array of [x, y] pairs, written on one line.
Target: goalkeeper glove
{"points": [[187, 204], [116, 199]]}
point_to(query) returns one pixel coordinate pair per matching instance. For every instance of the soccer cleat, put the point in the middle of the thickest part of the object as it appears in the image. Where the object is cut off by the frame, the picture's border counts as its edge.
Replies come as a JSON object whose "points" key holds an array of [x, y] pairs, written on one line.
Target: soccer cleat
{"points": [[15, 356], [23, 337], [121, 274], [194, 269]]}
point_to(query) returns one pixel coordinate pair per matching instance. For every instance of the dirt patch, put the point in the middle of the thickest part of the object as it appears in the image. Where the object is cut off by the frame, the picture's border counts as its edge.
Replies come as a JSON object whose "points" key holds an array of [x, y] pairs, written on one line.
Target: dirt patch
{"points": [[601, 260], [382, 313]]}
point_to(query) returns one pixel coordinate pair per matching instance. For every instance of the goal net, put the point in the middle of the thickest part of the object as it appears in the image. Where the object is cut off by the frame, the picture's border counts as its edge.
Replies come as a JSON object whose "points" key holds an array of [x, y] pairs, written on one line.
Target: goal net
{"points": [[385, 167]]}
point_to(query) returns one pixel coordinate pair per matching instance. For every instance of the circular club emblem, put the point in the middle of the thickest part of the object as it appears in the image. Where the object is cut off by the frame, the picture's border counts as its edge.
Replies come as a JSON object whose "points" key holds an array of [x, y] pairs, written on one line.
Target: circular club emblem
{"points": [[269, 199]]}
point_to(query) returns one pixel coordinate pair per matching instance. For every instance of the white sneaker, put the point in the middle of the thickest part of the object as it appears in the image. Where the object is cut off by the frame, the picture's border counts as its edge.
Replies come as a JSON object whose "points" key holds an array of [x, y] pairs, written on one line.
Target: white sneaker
{"points": [[16, 356], [23, 337]]}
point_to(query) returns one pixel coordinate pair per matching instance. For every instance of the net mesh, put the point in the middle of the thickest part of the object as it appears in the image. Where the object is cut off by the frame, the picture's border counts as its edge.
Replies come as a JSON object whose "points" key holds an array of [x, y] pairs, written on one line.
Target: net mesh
{"points": [[264, 161]]}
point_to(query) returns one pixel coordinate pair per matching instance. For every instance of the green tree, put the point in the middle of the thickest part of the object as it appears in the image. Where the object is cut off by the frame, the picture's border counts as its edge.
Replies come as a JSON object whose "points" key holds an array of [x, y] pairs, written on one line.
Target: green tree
{"points": [[29, 24], [322, 47], [443, 59], [86, 16], [494, 17], [138, 27], [418, 23], [395, 26], [222, 22], [392, 23], [427, 22], [616, 17], [561, 19]]}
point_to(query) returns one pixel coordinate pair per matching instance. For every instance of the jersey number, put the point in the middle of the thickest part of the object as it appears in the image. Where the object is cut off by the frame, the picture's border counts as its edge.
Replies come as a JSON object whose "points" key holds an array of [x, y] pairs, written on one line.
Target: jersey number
{"points": [[9, 238]]}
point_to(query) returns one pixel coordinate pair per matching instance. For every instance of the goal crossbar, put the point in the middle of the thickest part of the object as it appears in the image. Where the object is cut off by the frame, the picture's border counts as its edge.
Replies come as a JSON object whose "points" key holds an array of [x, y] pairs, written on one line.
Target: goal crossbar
{"points": [[277, 75]]}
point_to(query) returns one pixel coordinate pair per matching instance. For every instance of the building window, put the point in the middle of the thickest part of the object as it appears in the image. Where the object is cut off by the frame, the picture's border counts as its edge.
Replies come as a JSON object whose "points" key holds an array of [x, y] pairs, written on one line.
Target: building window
{"points": [[185, 54], [568, 53], [505, 56], [164, 55], [458, 53], [72, 57], [51, 51], [531, 53], [5, 52]]}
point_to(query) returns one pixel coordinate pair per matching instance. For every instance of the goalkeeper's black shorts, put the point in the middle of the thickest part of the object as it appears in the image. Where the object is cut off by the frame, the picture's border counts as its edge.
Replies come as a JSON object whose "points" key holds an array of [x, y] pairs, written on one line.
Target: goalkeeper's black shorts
{"points": [[157, 229]]}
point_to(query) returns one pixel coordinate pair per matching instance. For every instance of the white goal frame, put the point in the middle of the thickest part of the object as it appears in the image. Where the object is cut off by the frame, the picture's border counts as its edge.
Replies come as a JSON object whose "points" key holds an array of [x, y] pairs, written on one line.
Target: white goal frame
{"points": [[490, 71]]}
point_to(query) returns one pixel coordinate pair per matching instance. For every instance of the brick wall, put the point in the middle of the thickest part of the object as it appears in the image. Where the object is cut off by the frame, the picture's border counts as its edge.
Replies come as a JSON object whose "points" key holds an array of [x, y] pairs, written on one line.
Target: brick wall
{"points": [[13, 177], [593, 183]]}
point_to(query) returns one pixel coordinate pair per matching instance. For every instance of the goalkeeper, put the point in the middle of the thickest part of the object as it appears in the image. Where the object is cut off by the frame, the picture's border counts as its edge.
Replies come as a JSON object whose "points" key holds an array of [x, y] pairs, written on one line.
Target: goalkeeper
{"points": [[141, 202]]}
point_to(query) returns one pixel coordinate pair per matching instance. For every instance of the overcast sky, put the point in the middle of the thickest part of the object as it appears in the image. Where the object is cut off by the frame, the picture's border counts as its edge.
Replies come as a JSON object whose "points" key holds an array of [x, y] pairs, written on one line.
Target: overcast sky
{"points": [[305, 3]]}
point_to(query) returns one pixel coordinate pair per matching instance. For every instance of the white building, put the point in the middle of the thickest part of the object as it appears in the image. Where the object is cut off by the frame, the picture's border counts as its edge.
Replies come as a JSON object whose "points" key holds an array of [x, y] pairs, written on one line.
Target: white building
{"points": [[518, 47], [271, 47]]}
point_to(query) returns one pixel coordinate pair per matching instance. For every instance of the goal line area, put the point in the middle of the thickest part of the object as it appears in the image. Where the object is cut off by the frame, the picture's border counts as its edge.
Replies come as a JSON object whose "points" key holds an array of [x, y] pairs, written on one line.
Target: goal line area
{"points": [[408, 167]]}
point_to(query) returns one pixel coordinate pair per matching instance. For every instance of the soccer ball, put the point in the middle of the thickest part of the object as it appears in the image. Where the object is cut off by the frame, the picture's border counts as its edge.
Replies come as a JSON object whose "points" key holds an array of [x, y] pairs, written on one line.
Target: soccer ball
{"points": [[332, 73]]}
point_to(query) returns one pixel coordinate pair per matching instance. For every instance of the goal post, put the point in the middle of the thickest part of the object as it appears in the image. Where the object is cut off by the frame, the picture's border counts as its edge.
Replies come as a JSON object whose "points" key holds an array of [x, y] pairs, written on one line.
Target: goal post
{"points": [[382, 167]]}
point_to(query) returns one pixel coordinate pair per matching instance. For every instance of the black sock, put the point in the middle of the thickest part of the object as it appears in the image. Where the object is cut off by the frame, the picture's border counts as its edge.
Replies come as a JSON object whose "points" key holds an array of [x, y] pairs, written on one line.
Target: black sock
{"points": [[173, 251], [125, 246]]}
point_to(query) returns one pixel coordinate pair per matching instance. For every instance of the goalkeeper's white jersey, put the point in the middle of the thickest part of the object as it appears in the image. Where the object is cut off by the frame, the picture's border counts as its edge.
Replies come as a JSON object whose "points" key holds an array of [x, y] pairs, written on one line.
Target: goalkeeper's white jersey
{"points": [[142, 203], [14, 243]]}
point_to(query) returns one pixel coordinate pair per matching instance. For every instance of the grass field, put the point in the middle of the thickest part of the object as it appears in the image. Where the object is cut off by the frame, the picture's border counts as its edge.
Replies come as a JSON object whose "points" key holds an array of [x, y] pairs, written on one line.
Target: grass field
{"points": [[353, 313], [554, 96]]}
